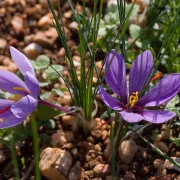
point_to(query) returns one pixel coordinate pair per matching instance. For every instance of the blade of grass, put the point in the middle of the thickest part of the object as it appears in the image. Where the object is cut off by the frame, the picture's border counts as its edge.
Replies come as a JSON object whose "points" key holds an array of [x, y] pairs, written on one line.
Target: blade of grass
{"points": [[84, 35], [63, 39], [14, 161]]}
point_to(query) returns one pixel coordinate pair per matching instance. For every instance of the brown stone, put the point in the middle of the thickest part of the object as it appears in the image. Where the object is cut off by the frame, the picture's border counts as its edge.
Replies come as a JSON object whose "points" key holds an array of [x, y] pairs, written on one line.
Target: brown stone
{"points": [[46, 38], [17, 24], [67, 120], [3, 43], [32, 50], [101, 170], [58, 139], [127, 150], [162, 146], [55, 163]]}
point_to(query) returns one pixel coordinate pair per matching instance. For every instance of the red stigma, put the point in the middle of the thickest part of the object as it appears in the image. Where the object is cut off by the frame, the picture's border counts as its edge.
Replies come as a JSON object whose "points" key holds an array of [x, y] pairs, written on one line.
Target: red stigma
{"points": [[157, 76]]}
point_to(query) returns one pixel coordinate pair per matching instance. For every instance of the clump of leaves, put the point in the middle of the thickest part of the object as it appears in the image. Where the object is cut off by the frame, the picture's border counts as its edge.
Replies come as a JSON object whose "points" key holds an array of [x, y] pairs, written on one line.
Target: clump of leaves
{"points": [[51, 72], [110, 24]]}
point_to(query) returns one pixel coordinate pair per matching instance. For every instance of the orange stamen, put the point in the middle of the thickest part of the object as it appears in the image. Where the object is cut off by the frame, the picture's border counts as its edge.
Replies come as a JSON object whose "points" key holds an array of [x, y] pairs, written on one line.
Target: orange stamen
{"points": [[157, 76], [21, 89]]}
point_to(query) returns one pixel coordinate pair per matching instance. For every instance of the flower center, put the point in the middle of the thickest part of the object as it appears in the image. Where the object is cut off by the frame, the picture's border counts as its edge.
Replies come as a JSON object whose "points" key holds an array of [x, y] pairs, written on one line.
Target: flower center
{"points": [[133, 99]]}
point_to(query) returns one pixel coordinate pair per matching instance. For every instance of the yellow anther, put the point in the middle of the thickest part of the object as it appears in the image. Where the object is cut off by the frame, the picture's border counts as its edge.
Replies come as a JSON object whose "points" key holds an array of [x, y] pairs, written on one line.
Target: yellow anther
{"points": [[21, 89], [15, 97], [133, 98]]}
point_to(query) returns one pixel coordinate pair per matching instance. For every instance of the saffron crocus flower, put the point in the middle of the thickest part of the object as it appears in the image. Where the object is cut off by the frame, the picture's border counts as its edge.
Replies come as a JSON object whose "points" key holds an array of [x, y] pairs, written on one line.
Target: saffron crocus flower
{"points": [[131, 106], [25, 96]]}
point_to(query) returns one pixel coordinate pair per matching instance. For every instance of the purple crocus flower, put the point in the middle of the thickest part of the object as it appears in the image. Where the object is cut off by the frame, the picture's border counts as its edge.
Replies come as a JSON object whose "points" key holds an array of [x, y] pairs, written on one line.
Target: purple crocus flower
{"points": [[131, 106], [25, 96]]}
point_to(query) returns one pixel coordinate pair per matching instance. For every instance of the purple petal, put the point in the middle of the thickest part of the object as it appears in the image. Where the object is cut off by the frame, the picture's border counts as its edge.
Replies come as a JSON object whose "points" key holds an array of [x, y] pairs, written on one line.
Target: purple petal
{"points": [[10, 120], [8, 81], [162, 92], [24, 107], [5, 104], [109, 100], [158, 116], [21, 61], [131, 117], [32, 84], [116, 74], [139, 71]]}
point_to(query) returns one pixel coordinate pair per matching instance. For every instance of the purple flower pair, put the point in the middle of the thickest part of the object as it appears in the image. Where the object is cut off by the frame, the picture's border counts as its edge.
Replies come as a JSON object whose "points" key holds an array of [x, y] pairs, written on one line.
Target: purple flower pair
{"points": [[25, 96], [131, 106]]}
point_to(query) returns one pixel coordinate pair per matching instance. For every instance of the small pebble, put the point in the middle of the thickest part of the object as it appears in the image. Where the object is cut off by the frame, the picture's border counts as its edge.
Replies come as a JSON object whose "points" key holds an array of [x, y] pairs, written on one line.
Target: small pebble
{"points": [[162, 146], [165, 134], [68, 146], [67, 120], [97, 147], [158, 162], [97, 134], [3, 43], [90, 139], [74, 152], [158, 137], [101, 170]]}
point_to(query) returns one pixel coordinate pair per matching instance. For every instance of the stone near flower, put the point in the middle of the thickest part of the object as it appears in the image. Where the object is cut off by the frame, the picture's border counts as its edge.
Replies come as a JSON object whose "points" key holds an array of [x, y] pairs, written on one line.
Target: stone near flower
{"points": [[17, 24], [157, 163], [127, 150], [46, 38], [12, 67], [68, 14], [73, 26], [55, 163], [32, 50], [46, 20], [58, 139], [6, 61], [3, 43], [67, 120], [162, 146], [132, 106], [101, 170], [69, 136]]}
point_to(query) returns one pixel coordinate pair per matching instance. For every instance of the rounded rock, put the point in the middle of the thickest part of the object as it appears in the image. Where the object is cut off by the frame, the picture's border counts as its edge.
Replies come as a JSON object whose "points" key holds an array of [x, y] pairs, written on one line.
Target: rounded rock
{"points": [[127, 150]]}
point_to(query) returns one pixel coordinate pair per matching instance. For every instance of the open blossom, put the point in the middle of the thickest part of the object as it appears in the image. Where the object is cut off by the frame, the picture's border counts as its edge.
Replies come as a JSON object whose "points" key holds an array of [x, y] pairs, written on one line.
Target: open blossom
{"points": [[132, 106], [25, 95]]}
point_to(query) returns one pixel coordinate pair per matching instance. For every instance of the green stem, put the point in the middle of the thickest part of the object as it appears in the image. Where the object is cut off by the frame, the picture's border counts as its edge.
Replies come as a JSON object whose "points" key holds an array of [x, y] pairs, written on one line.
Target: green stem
{"points": [[36, 146], [113, 156], [14, 161]]}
